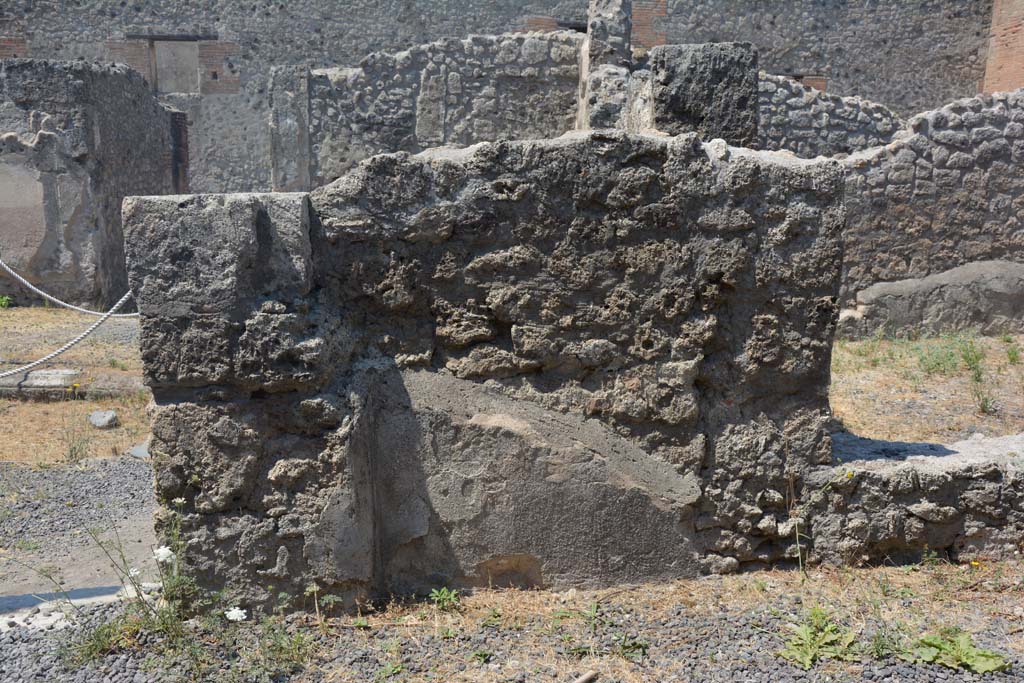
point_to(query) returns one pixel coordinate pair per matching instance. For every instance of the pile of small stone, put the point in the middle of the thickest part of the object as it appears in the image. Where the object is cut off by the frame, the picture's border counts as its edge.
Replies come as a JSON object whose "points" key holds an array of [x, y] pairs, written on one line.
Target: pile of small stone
{"points": [[44, 505]]}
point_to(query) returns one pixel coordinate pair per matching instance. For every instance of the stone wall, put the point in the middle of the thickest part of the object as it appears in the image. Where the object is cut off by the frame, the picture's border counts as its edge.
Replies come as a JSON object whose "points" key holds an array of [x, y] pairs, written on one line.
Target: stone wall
{"points": [[911, 56], [233, 46], [75, 139], [946, 192], [899, 502], [455, 92], [812, 123], [588, 360]]}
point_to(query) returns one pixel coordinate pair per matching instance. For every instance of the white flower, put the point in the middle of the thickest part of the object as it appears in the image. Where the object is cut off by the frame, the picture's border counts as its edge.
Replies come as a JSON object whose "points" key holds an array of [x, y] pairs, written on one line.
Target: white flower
{"points": [[134, 573], [178, 502], [235, 614], [163, 554]]}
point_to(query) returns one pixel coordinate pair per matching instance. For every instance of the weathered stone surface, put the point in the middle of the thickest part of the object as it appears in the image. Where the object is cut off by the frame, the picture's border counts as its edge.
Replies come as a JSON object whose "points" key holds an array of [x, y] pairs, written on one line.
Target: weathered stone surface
{"points": [[585, 360], [458, 92], [103, 419], [985, 297], [946, 192], [605, 62], [709, 89], [894, 502], [75, 138], [811, 123]]}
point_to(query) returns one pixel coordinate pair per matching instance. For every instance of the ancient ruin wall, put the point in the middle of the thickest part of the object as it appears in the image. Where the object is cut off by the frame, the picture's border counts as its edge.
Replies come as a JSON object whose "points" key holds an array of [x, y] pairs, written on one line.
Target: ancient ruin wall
{"points": [[75, 139], [587, 360], [238, 43], [945, 193], [812, 123], [484, 88], [910, 56]]}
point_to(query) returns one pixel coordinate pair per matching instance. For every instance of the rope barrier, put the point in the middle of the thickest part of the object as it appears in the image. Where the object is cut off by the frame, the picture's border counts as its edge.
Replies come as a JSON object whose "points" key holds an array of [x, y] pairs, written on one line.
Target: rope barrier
{"points": [[103, 318], [57, 301]]}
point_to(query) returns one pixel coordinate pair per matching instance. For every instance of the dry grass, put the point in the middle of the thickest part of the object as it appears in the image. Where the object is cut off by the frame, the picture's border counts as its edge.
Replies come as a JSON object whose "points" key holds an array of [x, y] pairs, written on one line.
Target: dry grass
{"points": [[917, 599], [28, 333], [41, 433], [926, 390]]}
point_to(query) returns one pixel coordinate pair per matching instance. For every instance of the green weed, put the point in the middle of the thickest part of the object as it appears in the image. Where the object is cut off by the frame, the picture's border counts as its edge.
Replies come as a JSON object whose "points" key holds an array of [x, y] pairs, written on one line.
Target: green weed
{"points": [[818, 637], [445, 599], [954, 649], [1013, 354]]}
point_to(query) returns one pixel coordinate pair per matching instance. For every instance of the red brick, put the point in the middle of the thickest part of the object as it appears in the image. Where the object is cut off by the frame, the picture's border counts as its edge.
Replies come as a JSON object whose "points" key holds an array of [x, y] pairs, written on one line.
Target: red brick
{"points": [[1004, 69], [218, 68], [13, 46], [649, 22], [134, 53], [539, 22]]}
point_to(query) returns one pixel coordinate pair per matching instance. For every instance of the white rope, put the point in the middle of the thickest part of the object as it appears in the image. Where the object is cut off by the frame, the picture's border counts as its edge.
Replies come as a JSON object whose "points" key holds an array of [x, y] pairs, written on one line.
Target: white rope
{"points": [[103, 318], [57, 301]]}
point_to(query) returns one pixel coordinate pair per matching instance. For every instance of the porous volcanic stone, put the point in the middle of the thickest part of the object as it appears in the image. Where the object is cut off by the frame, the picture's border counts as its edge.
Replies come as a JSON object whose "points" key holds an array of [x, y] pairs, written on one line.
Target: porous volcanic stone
{"points": [[587, 360], [709, 89]]}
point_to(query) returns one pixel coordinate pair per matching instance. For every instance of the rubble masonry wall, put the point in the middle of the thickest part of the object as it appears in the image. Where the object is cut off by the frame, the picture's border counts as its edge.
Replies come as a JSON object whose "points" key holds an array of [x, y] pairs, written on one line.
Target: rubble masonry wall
{"points": [[75, 139]]}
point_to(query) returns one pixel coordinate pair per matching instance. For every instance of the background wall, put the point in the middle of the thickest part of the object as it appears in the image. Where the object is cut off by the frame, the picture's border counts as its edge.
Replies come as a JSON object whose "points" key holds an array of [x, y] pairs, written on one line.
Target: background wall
{"points": [[812, 123], [235, 45], [911, 55], [485, 88], [1005, 68], [75, 139], [948, 193]]}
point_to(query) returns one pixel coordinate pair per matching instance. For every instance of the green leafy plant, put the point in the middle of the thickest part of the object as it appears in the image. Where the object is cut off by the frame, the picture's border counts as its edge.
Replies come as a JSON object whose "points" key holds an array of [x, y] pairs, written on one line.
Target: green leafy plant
{"points": [[483, 656], [493, 618], [388, 670], [5, 301], [818, 637], [954, 649], [1013, 354], [972, 357], [632, 649], [445, 599], [939, 358], [889, 640], [361, 623], [594, 617]]}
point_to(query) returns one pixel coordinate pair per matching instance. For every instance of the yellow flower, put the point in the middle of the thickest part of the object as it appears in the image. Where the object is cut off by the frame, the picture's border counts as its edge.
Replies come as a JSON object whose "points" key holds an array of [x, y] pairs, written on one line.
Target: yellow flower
{"points": [[975, 563], [849, 475]]}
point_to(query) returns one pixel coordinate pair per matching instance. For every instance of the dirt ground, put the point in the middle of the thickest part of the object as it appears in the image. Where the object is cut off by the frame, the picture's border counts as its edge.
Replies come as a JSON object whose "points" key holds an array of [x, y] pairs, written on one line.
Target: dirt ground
{"points": [[32, 332], [556, 632], [938, 390], [46, 433]]}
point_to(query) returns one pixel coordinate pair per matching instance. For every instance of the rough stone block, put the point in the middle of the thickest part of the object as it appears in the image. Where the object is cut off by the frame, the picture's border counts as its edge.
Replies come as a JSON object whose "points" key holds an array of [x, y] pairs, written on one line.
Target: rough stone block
{"points": [[594, 359], [985, 297], [709, 89]]}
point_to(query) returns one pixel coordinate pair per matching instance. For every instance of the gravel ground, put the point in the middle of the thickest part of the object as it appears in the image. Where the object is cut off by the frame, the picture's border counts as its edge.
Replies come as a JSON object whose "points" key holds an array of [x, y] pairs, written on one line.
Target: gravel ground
{"points": [[683, 644], [54, 506]]}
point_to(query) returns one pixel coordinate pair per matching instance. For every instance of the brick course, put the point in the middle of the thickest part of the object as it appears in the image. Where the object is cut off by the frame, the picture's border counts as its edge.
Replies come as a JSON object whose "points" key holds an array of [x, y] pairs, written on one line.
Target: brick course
{"points": [[135, 53], [1004, 70], [649, 22], [218, 68], [13, 46]]}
